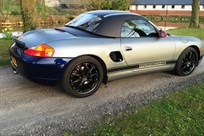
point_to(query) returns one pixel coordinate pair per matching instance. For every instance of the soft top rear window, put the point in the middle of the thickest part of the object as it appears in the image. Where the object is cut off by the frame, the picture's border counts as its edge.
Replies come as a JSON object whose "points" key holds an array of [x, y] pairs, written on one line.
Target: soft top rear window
{"points": [[87, 22]]}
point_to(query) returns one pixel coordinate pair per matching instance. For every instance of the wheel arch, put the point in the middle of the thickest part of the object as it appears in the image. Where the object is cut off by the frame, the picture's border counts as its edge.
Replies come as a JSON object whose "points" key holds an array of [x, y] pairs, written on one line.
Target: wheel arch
{"points": [[197, 50], [105, 76], [178, 70]]}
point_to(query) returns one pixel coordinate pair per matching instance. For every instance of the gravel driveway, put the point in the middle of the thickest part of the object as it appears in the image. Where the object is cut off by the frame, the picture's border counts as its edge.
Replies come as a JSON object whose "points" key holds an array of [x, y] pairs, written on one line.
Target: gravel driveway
{"points": [[32, 109]]}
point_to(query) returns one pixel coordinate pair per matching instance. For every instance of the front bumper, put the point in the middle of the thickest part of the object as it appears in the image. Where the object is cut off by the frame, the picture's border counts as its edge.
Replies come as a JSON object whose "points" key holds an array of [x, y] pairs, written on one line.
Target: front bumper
{"points": [[37, 67]]}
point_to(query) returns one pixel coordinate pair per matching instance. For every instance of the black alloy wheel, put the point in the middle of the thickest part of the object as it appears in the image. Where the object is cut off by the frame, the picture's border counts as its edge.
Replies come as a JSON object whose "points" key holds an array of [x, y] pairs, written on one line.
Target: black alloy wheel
{"points": [[187, 62], [83, 77]]}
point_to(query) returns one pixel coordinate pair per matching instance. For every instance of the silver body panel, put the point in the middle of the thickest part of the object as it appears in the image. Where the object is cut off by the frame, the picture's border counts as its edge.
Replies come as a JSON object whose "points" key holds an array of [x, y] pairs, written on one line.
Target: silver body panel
{"points": [[145, 50], [157, 51]]}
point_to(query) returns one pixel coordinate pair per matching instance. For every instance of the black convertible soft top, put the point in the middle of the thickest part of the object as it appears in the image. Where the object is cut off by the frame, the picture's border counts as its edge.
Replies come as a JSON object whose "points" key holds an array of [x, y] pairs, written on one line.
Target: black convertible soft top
{"points": [[110, 25], [112, 21]]}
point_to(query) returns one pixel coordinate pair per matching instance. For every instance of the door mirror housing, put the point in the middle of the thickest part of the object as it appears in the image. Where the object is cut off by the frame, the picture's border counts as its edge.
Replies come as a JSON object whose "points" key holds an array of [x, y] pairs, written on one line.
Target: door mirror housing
{"points": [[163, 34]]}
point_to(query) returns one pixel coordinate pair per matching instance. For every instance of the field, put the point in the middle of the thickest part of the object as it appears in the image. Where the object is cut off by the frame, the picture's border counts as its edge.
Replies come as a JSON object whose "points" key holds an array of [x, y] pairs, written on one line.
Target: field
{"points": [[178, 113], [4, 51], [186, 31]]}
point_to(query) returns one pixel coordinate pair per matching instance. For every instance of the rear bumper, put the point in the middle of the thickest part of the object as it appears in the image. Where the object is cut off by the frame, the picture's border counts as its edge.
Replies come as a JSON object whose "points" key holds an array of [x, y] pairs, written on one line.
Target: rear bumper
{"points": [[37, 67]]}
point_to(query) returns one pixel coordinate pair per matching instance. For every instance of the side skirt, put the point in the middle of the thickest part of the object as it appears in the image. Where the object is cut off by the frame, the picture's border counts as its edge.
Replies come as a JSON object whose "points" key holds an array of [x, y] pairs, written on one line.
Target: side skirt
{"points": [[137, 70]]}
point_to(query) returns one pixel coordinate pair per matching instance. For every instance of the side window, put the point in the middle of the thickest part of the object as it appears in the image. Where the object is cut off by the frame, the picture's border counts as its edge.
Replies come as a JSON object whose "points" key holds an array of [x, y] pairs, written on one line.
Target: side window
{"points": [[128, 30], [138, 28]]}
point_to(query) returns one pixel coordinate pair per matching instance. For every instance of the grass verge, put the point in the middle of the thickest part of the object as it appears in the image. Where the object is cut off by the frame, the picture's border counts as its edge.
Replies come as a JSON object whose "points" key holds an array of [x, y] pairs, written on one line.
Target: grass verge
{"points": [[178, 113], [4, 55], [186, 31]]}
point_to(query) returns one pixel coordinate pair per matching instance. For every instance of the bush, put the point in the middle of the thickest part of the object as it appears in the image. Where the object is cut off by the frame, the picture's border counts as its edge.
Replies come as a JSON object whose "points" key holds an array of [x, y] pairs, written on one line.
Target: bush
{"points": [[44, 11], [120, 4], [14, 9], [172, 18], [116, 4], [7, 35]]}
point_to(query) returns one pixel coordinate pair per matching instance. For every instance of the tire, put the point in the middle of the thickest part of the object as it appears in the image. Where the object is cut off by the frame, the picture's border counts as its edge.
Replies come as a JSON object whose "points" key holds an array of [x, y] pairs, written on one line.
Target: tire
{"points": [[187, 62], [83, 77]]}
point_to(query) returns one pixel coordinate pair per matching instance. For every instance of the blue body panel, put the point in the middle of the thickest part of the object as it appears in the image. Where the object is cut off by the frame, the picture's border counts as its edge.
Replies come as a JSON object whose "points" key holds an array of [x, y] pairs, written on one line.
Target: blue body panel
{"points": [[38, 67]]}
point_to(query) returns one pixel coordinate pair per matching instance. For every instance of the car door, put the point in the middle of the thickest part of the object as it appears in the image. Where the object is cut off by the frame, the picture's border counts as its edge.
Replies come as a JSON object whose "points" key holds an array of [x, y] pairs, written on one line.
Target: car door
{"points": [[142, 47]]}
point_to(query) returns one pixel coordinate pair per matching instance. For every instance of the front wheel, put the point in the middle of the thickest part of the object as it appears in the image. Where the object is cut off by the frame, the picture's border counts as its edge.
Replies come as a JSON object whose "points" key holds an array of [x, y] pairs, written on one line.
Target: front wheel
{"points": [[187, 62], [83, 77]]}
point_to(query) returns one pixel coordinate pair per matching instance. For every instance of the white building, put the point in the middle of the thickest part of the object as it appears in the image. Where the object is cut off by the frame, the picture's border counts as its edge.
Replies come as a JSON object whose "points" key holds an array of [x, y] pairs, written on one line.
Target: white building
{"points": [[52, 3], [173, 7]]}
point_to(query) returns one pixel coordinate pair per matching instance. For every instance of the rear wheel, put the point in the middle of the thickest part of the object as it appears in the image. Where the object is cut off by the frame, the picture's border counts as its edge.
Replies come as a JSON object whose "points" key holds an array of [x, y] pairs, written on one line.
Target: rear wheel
{"points": [[83, 77], [187, 62]]}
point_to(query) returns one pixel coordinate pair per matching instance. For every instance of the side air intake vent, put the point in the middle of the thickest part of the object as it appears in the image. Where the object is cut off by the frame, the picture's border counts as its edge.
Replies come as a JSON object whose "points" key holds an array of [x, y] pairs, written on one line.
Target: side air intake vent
{"points": [[116, 56]]}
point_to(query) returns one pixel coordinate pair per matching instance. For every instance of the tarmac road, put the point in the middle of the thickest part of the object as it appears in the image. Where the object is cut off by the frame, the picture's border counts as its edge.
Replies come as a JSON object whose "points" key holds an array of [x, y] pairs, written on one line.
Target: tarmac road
{"points": [[27, 108]]}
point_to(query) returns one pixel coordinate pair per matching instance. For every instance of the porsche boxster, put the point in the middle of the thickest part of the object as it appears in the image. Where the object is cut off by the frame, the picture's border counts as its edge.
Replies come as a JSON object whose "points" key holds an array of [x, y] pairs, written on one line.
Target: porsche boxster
{"points": [[100, 46]]}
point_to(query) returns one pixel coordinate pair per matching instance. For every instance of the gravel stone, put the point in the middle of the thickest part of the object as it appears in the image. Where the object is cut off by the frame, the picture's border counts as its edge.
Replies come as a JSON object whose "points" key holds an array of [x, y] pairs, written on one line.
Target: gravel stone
{"points": [[27, 108]]}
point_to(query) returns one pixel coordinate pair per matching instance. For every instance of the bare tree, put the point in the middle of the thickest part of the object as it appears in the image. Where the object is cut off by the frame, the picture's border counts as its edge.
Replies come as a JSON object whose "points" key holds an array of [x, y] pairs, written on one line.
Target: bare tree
{"points": [[195, 14], [106, 4], [29, 14], [93, 4]]}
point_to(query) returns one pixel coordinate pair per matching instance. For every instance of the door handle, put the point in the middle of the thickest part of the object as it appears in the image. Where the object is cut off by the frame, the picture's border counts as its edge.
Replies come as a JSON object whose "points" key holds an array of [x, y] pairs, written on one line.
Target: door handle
{"points": [[127, 48]]}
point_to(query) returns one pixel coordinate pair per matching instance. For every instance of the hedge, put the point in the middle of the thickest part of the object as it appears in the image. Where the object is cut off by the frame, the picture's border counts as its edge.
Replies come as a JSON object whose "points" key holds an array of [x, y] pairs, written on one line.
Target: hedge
{"points": [[172, 18]]}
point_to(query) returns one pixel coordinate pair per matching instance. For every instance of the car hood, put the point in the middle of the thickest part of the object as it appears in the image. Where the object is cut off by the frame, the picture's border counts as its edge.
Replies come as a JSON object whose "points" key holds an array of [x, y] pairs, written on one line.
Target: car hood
{"points": [[36, 37]]}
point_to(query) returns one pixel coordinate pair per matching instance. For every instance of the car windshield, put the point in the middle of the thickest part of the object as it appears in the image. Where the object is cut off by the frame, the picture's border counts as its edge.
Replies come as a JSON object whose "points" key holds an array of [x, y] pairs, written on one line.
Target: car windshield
{"points": [[87, 22]]}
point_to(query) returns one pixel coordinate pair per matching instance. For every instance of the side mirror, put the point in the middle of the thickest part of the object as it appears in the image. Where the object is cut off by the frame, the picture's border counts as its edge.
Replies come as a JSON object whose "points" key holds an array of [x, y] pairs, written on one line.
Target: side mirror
{"points": [[163, 34]]}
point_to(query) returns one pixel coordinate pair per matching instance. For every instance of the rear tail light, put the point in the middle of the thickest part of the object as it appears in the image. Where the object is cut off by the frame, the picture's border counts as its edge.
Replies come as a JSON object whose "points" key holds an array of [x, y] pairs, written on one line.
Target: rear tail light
{"points": [[42, 50]]}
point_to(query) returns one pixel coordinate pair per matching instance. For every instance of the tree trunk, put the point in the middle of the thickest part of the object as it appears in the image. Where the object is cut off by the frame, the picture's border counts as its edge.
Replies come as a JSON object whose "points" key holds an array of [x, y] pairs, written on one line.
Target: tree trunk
{"points": [[195, 14], [29, 14]]}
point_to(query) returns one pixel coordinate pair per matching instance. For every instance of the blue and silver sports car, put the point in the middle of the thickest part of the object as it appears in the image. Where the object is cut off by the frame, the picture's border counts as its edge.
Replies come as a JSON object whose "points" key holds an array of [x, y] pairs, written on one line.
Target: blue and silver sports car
{"points": [[100, 46]]}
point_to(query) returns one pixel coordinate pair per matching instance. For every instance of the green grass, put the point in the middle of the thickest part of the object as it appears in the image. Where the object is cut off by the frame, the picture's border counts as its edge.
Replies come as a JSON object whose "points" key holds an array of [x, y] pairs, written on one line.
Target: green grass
{"points": [[4, 48], [186, 31], [178, 113]]}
